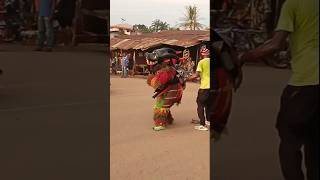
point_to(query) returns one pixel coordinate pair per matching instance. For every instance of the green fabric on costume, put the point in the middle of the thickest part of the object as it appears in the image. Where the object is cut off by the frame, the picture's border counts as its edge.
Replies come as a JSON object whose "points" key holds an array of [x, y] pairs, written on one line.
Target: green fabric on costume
{"points": [[160, 101]]}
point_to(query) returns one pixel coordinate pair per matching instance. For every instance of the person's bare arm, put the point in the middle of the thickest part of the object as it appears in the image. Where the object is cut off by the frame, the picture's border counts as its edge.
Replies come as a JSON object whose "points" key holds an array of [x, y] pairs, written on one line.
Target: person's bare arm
{"points": [[271, 46], [194, 76]]}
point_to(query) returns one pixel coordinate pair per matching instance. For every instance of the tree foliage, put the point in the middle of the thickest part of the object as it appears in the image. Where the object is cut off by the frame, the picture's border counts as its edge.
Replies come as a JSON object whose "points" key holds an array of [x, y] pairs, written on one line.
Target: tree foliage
{"points": [[141, 28], [158, 25], [191, 18]]}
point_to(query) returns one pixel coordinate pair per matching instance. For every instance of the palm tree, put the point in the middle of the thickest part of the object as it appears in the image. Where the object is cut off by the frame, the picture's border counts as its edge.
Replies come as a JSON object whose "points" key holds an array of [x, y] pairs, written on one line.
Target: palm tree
{"points": [[191, 18], [158, 25]]}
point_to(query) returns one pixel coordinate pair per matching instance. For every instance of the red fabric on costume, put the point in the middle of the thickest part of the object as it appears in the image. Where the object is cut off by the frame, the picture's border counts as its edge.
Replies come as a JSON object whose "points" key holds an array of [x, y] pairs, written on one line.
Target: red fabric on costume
{"points": [[164, 76], [174, 61], [223, 101], [182, 60]]}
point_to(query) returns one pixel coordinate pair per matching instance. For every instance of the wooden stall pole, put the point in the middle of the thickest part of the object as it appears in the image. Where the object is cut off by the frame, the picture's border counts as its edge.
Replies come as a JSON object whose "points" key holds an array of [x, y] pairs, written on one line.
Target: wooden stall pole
{"points": [[75, 27], [134, 63], [197, 57]]}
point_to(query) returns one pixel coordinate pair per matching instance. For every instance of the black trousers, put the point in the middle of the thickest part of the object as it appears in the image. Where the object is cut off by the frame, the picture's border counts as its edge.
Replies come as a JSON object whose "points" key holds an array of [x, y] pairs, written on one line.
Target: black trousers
{"points": [[298, 126], [205, 103]]}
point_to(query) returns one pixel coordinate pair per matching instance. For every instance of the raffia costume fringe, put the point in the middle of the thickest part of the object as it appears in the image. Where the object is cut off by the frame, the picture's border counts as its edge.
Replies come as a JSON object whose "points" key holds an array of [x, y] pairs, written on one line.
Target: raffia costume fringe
{"points": [[170, 96]]}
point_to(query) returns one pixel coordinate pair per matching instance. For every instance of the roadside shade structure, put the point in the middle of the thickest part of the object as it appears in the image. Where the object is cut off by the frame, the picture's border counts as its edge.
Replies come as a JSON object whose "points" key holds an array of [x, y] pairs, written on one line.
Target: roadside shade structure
{"points": [[145, 41]]}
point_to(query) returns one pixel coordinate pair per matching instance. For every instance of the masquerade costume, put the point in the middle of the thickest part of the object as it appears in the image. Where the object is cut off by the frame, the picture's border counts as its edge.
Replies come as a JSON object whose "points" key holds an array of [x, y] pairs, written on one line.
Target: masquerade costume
{"points": [[226, 76], [167, 84]]}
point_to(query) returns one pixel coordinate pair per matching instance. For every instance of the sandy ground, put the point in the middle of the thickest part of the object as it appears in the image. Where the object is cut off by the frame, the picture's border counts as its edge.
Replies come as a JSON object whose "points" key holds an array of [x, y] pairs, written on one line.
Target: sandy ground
{"points": [[139, 153], [250, 150], [53, 114]]}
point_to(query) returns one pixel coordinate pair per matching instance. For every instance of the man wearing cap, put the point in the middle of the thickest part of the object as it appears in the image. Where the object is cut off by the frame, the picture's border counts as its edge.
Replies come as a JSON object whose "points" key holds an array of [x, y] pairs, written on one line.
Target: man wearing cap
{"points": [[203, 71]]}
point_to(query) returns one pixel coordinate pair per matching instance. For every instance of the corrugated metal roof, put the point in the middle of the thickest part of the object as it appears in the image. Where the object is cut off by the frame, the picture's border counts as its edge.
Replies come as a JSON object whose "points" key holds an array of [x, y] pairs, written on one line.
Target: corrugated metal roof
{"points": [[123, 26], [145, 41]]}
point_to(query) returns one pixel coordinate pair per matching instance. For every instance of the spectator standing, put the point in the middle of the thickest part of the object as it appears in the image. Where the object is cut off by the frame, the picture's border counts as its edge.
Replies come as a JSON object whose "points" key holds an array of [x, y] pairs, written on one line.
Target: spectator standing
{"points": [[45, 10]]}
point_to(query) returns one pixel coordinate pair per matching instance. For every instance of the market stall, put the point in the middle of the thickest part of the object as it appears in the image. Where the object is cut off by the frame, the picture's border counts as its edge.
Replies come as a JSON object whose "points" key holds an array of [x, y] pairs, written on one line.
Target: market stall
{"points": [[187, 42], [91, 22]]}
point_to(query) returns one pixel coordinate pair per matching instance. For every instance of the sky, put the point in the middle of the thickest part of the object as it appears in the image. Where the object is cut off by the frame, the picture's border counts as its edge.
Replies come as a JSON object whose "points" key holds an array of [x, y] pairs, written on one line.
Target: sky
{"points": [[145, 11]]}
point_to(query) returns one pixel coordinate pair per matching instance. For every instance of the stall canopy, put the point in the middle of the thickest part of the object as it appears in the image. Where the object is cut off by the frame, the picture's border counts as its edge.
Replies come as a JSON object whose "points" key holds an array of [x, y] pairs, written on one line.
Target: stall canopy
{"points": [[146, 41], [91, 21]]}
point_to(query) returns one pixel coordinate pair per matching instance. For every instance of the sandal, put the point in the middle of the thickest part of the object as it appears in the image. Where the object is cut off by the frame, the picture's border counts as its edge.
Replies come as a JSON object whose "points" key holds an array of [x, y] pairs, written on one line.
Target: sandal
{"points": [[201, 128], [195, 121], [158, 128]]}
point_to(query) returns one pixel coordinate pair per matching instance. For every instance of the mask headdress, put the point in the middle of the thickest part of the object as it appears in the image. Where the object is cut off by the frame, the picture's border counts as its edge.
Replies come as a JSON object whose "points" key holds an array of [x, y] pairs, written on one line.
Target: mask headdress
{"points": [[163, 55]]}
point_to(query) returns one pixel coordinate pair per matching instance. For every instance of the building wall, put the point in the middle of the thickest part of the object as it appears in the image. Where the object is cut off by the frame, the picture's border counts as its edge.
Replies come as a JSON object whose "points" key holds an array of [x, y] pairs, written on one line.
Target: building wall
{"points": [[114, 34], [126, 32]]}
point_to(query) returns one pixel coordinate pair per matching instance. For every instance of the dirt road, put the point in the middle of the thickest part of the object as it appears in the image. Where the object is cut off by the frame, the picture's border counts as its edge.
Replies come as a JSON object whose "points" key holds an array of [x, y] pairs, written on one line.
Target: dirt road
{"points": [[250, 150], [139, 153], [52, 114]]}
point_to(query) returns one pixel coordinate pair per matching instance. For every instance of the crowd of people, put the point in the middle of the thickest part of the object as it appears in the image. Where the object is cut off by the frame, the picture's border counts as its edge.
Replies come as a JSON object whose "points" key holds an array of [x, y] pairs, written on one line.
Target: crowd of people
{"points": [[123, 63], [47, 17]]}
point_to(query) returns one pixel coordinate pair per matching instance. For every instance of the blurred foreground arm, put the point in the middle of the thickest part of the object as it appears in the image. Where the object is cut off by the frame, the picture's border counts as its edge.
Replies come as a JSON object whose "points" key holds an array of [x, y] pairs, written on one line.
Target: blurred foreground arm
{"points": [[276, 43]]}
